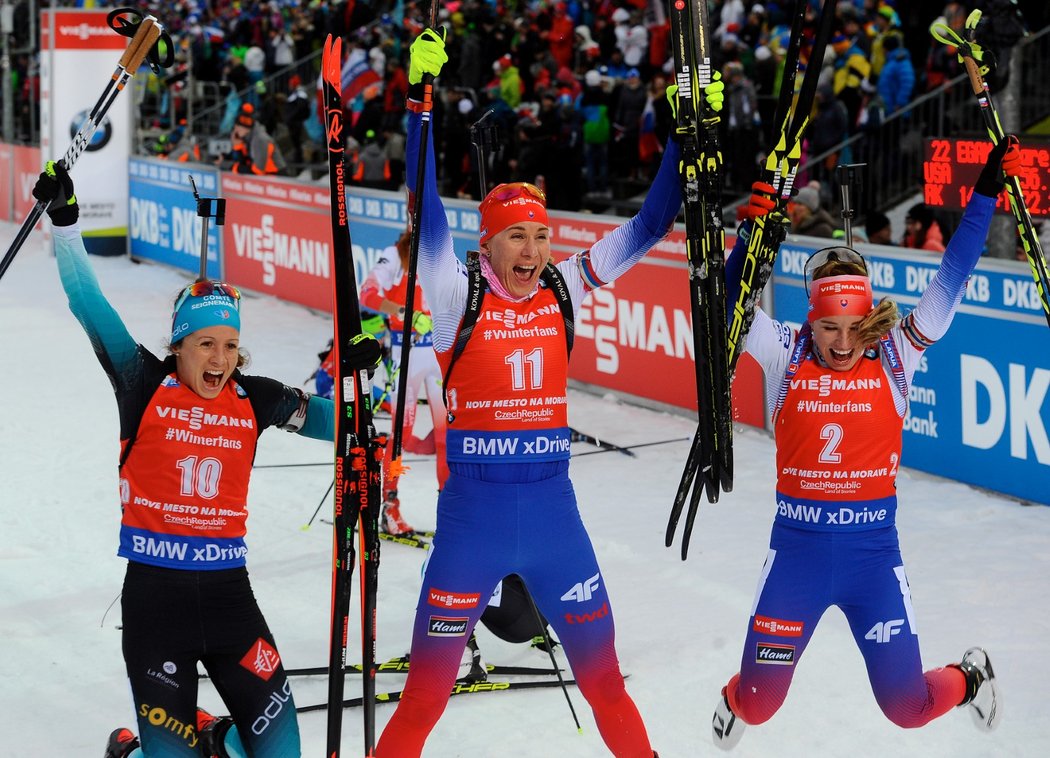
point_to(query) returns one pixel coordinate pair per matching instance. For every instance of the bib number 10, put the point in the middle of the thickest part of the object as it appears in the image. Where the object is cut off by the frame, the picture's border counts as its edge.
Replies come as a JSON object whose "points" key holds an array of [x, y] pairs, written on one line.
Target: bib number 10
{"points": [[200, 477], [526, 369]]}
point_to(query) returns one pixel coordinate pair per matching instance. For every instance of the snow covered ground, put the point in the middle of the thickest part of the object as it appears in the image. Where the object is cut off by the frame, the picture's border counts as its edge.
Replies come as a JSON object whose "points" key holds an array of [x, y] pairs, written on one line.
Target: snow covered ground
{"points": [[978, 565]]}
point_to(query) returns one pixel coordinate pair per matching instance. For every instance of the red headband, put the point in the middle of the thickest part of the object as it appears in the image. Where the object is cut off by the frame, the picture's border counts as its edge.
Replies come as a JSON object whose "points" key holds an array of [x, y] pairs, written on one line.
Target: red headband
{"points": [[498, 213], [839, 296]]}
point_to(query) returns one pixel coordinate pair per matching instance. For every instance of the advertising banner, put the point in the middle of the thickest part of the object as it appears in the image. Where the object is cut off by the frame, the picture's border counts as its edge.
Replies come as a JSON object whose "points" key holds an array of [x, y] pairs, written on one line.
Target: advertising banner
{"points": [[27, 166], [162, 214], [78, 55], [978, 407], [7, 173]]}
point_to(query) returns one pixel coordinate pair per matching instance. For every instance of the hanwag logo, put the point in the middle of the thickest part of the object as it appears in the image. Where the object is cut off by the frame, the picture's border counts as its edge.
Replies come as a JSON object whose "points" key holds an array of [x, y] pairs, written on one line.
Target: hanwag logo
{"points": [[447, 626], [781, 655], [778, 627], [444, 599], [262, 659]]}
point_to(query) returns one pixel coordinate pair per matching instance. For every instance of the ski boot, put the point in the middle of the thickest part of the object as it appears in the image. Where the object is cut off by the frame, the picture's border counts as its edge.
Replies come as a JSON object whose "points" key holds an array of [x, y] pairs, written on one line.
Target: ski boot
{"points": [[212, 733], [121, 743], [390, 521], [982, 693], [472, 668], [545, 642], [726, 728]]}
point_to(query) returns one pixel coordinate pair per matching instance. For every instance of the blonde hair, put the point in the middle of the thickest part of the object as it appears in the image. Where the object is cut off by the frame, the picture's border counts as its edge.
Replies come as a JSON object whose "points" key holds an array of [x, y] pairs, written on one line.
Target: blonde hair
{"points": [[882, 317]]}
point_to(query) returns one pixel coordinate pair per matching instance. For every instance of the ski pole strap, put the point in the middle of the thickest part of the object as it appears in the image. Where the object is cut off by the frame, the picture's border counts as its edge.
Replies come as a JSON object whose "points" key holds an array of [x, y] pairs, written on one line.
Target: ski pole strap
{"points": [[475, 294], [120, 21], [556, 283], [476, 285], [968, 48]]}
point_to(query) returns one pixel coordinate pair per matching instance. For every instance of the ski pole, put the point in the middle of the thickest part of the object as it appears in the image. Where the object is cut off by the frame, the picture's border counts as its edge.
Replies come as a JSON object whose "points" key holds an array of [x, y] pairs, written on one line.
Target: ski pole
{"points": [[554, 662], [324, 497], [413, 258], [971, 55], [143, 37]]}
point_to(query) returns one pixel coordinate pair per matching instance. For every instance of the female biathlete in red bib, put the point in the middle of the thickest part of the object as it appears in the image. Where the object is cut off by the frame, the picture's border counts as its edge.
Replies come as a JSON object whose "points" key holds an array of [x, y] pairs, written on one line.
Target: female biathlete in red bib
{"points": [[838, 395]]}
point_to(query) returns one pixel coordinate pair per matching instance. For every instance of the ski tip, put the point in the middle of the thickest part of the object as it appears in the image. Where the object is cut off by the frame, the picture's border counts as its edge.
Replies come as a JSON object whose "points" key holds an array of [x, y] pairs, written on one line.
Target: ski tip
{"points": [[331, 67]]}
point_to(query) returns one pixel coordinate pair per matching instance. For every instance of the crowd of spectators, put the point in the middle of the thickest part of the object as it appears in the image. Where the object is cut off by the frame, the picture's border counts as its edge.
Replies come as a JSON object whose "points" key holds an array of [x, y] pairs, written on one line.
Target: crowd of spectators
{"points": [[575, 87]]}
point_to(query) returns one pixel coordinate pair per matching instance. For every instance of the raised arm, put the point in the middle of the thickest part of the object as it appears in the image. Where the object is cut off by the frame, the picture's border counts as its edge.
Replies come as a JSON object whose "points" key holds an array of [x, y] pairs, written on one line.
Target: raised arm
{"points": [[936, 308], [441, 274], [113, 345]]}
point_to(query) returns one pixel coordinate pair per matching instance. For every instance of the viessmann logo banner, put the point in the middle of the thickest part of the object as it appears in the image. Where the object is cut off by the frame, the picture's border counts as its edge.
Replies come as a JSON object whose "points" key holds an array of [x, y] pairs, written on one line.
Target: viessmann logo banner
{"points": [[79, 29]]}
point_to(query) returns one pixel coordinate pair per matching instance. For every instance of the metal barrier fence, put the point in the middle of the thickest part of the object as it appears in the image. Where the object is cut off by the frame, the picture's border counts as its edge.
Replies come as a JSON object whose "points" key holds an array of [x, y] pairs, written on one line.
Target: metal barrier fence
{"points": [[893, 151]]}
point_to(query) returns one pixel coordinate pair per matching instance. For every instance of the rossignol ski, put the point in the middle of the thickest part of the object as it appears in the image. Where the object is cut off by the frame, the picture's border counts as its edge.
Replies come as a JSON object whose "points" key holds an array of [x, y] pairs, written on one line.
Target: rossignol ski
{"points": [[357, 470], [460, 688], [767, 232], [972, 55], [710, 463]]}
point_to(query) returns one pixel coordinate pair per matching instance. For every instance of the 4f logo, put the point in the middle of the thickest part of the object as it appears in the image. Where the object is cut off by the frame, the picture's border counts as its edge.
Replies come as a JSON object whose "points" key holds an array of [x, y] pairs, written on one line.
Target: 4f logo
{"points": [[581, 592], [883, 631]]}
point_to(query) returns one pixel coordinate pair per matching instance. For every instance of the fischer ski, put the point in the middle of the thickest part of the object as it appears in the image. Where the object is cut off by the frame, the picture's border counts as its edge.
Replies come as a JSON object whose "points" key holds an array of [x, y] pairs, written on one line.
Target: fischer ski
{"points": [[763, 244], [400, 665], [357, 470], [972, 55], [460, 688], [415, 539], [701, 175]]}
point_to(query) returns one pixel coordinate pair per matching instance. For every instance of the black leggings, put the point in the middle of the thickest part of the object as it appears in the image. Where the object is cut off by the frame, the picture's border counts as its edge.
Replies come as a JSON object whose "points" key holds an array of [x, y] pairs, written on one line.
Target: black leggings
{"points": [[174, 618]]}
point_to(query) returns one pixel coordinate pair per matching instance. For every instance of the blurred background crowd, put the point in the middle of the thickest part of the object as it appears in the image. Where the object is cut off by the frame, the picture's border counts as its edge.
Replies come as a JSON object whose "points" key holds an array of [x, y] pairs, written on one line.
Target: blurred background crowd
{"points": [[572, 90]]}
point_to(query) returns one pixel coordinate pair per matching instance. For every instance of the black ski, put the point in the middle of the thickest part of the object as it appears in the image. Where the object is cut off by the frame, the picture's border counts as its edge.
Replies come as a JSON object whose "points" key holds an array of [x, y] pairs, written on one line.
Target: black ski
{"points": [[767, 232], [357, 472], [711, 468], [460, 688]]}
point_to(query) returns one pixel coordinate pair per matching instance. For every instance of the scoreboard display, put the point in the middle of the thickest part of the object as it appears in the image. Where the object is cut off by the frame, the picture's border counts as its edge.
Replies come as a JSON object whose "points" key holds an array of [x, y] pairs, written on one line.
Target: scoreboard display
{"points": [[951, 166]]}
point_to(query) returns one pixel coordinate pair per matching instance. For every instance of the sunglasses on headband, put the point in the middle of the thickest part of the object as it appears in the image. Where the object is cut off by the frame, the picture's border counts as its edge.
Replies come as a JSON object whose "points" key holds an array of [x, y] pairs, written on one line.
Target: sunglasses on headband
{"points": [[207, 287], [831, 254], [504, 192]]}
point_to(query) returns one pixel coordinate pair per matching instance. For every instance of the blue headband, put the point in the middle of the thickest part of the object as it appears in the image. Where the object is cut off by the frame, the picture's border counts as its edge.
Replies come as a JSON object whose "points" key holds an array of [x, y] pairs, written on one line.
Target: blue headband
{"points": [[193, 313]]}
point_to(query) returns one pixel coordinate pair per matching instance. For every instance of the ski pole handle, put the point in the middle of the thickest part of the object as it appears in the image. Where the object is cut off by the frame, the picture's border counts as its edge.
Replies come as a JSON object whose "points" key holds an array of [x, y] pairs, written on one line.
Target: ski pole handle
{"points": [[145, 38]]}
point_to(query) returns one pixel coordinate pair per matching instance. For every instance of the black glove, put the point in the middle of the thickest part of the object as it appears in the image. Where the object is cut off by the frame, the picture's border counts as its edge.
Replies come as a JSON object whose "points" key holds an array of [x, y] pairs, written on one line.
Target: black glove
{"points": [[991, 181], [55, 187], [363, 352]]}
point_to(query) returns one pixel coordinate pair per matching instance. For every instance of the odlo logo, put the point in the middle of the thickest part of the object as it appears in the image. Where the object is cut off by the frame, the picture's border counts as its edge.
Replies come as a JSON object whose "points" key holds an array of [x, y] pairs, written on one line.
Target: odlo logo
{"points": [[273, 708]]}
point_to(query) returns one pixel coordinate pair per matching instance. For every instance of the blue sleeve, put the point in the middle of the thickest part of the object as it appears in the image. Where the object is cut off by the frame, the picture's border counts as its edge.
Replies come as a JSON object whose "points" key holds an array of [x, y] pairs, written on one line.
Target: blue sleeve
{"points": [[735, 266], [320, 419], [433, 228], [615, 253], [110, 340], [664, 199], [965, 247], [933, 314]]}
